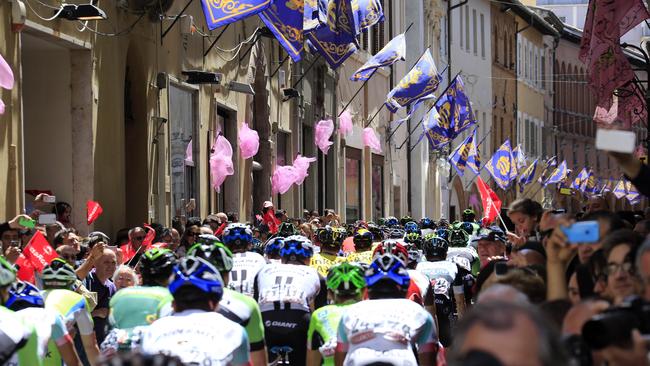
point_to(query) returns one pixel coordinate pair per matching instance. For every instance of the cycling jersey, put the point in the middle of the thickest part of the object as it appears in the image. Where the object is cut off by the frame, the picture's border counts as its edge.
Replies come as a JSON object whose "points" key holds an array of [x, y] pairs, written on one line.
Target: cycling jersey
{"points": [[50, 329], [132, 307], [322, 332], [18, 340], [198, 337], [439, 270], [245, 267], [292, 286], [385, 330], [364, 257], [468, 255], [244, 311], [322, 262]]}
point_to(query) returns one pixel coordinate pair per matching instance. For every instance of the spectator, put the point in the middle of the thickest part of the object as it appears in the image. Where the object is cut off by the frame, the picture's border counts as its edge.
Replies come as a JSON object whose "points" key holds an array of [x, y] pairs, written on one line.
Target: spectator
{"points": [[63, 212], [596, 203], [643, 267], [125, 276], [99, 281], [11, 244], [619, 248], [490, 242], [525, 214], [642, 228], [68, 253], [51, 230], [212, 221]]}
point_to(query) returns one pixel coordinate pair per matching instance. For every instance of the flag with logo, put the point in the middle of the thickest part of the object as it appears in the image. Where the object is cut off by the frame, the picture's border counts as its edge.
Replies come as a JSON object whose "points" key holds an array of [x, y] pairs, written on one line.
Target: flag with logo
{"points": [[39, 252], [608, 186], [519, 156], [633, 195], [285, 20], [93, 210], [436, 134], [500, 165], [367, 13], [220, 13], [527, 176], [459, 156], [490, 200], [473, 159], [581, 177], [341, 20], [558, 175], [315, 14], [550, 163], [422, 80], [589, 185], [393, 51], [620, 190], [329, 44]]}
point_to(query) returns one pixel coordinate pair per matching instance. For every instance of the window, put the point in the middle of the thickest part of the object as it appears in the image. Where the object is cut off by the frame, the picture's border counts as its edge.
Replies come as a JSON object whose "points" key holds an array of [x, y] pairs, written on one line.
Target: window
{"points": [[536, 63], [467, 28], [377, 186], [496, 44], [474, 31], [460, 22], [482, 36], [352, 184], [183, 126], [543, 76]]}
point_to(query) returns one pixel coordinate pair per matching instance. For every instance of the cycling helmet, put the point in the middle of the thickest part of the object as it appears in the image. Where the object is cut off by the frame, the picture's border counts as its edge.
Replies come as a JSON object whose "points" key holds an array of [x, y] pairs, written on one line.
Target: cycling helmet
{"points": [[467, 227], [24, 295], [443, 233], [287, 229], [427, 223], [443, 223], [216, 254], [414, 255], [412, 227], [207, 239], [405, 219], [394, 247], [436, 248], [258, 246], [58, 274], [362, 239], [414, 239], [381, 221], [377, 233], [387, 274], [360, 224], [156, 266], [194, 279], [391, 221], [7, 273], [237, 236], [395, 233], [346, 279], [458, 238], [296, 246], [273, 245], [468, 215], [328, 238]]}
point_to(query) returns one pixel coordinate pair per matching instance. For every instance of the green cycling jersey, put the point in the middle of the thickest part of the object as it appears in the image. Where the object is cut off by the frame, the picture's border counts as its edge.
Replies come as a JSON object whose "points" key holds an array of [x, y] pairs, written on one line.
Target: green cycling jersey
{"points": [[322, 332]]}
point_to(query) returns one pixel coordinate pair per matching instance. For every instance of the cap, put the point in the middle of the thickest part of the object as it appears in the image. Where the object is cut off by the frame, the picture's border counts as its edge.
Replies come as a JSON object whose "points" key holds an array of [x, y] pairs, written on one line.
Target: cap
{"points": [[492, 233], [268, 204]]}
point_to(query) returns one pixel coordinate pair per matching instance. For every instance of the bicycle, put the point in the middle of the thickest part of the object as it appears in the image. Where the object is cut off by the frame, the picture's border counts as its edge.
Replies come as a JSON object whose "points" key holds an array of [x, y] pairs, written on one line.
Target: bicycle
{"points": [[283, 355]]}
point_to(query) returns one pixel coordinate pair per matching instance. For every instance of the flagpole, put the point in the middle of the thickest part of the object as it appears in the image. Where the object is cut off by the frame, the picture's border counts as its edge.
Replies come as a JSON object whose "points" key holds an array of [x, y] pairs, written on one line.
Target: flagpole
{"points": [[395, 130], [366, 81], [306, 71], [481, 168]]}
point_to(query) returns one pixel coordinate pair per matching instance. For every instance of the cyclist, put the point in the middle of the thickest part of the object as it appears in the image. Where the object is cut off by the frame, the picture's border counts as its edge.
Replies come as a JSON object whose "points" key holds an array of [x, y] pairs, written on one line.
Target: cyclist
{"points": [[412, 227], [385, 329], [272, 249], [427, 226], [468, 216], [195, 332], [141, 305], [391, 221], [362, 239], [330, 241], [419, 286], [347, 283], [59, 279], [237, 307], [287, 293], [239, 238], [19, 344]]}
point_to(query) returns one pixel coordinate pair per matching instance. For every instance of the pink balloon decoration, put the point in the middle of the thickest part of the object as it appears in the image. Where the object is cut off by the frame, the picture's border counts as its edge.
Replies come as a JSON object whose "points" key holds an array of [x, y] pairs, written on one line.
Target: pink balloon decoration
{"points": [[6, 75], [283, 178], [221, 162], [345, 123], [370, 139], [301, 165], [324, 130], [249, 142]]}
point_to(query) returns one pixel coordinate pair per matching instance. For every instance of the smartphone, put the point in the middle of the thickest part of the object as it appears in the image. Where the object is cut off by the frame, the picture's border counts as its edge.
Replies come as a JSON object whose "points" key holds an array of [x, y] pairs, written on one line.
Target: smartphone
{"points": [[500, 269], [49, 199], [586, 232], [28, 223], [616, 140], [47, 219]]}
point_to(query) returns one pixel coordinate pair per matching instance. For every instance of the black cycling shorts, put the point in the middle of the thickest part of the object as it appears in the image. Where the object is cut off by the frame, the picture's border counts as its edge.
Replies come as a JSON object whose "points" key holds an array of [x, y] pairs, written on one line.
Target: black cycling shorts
{"points": [[287, 328]]}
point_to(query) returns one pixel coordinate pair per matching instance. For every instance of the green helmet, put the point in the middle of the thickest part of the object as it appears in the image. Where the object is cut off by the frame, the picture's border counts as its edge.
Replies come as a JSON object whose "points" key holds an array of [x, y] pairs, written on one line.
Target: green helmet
{"points": [[216, 253], [156, 265], [7, 273], [413, 238], [346, 279], [58, 274]]}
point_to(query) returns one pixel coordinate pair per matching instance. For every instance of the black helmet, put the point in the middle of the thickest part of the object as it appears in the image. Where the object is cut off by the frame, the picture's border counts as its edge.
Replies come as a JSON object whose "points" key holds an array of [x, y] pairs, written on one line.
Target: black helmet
{"points": [[59, 275], [436, 248], [362, 239], [468, 215], [156, 266]]}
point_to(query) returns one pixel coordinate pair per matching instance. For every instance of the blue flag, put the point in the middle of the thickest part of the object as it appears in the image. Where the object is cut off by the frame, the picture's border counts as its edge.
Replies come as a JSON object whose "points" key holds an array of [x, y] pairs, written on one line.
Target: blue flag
{"points": [[581, 177], [422, 80], [608, 186], [367, 13], [620, 190], [500, 165], [551, 162], [454, 109], [392, 52], [473, 159], [458, 157], [285, 20], [328, 43], [341, 20], [437, 135], [633, 195], [527, 176], [519, 156], [315, 15], [220, 13], [558, 175]]}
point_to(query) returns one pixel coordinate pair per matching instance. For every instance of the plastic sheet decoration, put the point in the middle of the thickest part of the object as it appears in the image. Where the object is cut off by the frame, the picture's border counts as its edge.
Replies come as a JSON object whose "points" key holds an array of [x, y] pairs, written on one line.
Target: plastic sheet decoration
{"points": [[370, 139], [324, 130], [345, 124], [221, 164], [249, 142]]}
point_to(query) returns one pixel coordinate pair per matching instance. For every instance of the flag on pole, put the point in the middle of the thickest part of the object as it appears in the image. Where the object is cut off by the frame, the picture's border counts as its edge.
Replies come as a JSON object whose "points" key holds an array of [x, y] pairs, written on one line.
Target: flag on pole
{"points": [[328, 43], [500, 165], [219, 13], [633, 195], [341, 20], [315, 15], [436, 134], [473, 159], [490, 200], [558, 175], [620, 190], [93, 210], [527, 176], [581, 177], [589, 185], [608, 186], [518, 155], [367, 13], [422, 80], [551, 162], [39, 252], [392, 52], [459, 156]]}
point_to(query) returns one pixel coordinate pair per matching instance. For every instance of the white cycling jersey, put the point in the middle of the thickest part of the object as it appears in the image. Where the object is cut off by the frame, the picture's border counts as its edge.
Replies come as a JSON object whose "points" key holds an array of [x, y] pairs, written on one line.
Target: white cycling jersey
{"points": [[420, 280], [245, 267], [385, 331], [198, 337], [468, 255], [437, 270], [279, 283]]}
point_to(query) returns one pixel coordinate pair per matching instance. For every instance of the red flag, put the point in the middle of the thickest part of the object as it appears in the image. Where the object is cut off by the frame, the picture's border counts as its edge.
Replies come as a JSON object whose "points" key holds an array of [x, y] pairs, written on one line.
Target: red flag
{"points": [[490, 200], [271, 221], [127, 252], [220, 229], [39, 252], [93, 210], [25, 270]]}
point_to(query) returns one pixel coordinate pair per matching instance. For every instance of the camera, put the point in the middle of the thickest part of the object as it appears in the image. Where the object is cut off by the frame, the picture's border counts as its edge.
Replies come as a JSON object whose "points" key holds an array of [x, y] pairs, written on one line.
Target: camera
{"points": [[614, 326]]}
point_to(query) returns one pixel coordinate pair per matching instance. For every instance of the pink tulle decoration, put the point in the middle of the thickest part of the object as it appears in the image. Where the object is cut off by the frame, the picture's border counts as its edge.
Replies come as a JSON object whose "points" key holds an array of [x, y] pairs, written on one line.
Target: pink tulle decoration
{"points": [[249, 142], [6, 75], [2, 107], [301, 165], [189, 161], [345, 123], [370, 139], [324, 130], [221, 162], [283, 177]]}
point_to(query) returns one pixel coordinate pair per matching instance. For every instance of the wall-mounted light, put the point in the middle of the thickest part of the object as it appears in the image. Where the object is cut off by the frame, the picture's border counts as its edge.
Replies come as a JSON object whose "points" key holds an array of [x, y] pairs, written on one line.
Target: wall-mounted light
{"points": [[80, 12], [289, 93], [202, 77], [238, 87]]}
